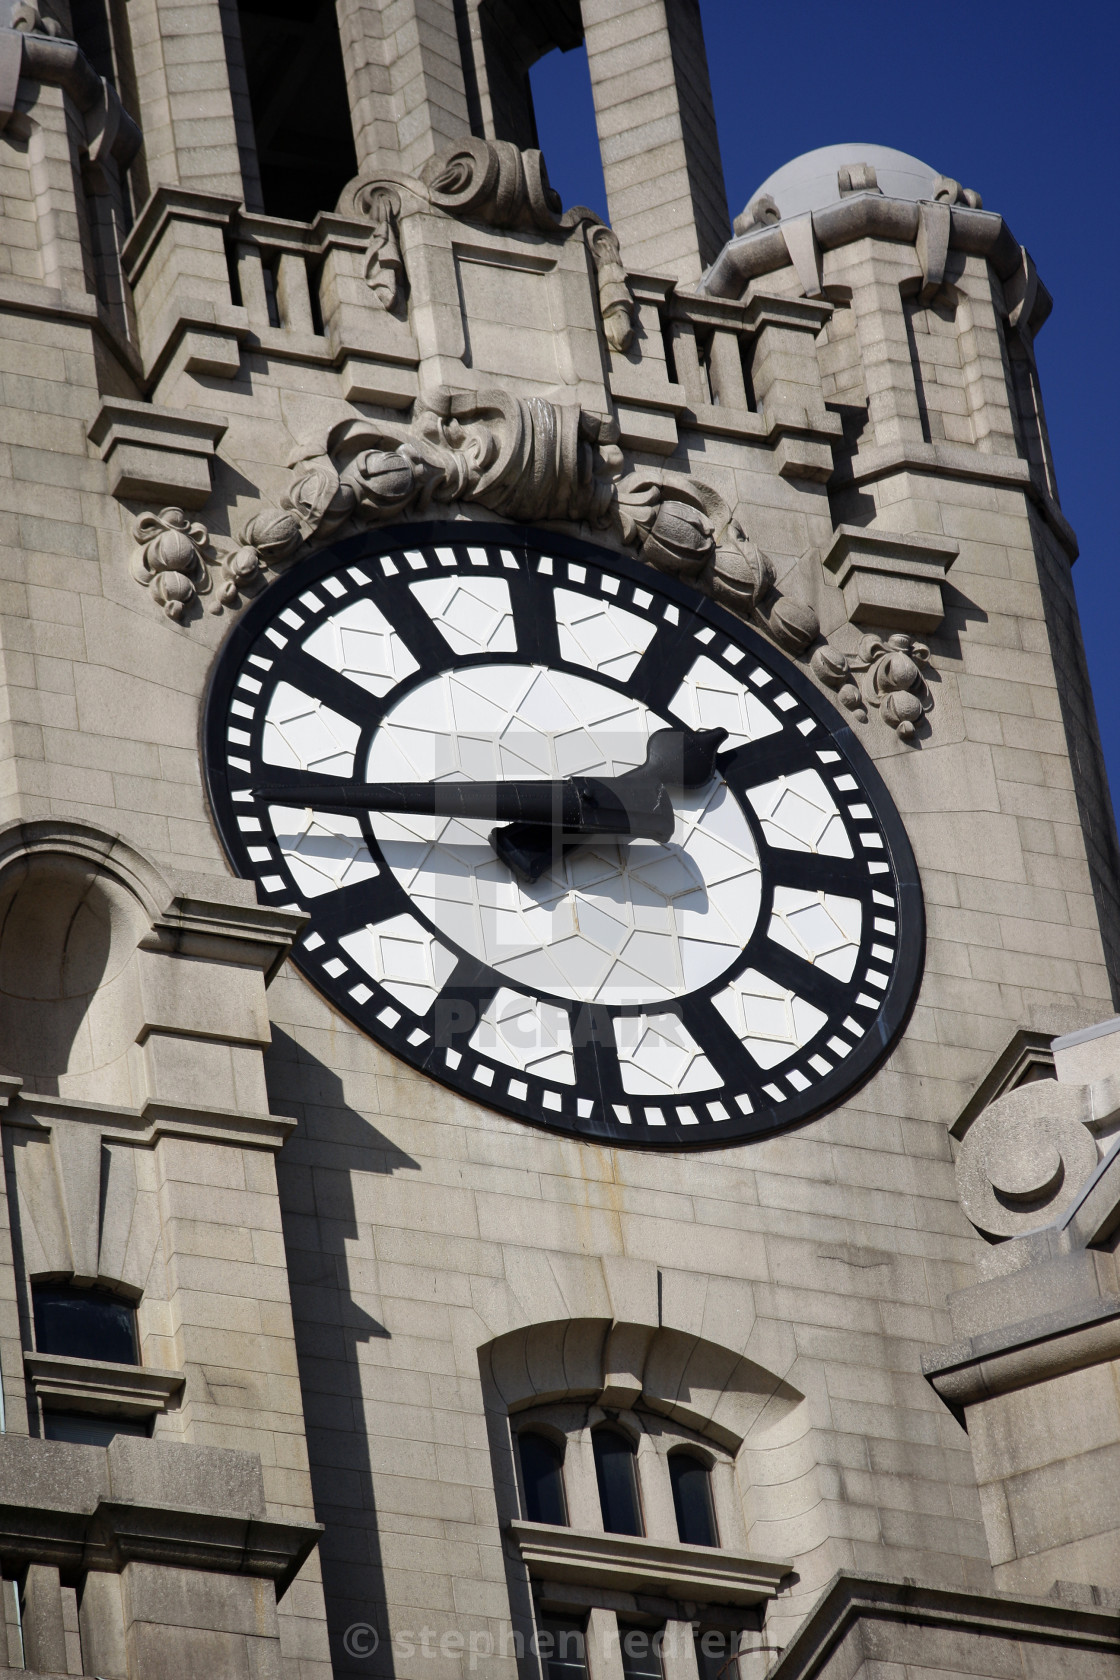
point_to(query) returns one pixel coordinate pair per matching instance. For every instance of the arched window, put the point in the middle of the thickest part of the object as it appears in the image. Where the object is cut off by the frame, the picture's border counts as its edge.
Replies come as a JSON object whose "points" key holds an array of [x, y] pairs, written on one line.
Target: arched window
{"points": [[616, 1470], [692, 1498], [542, 1479], [84, 1323]]}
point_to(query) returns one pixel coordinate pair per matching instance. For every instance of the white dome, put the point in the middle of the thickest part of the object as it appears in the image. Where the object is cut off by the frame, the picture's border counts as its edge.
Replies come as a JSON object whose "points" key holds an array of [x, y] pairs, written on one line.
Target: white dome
{"points": [[809, 181]]}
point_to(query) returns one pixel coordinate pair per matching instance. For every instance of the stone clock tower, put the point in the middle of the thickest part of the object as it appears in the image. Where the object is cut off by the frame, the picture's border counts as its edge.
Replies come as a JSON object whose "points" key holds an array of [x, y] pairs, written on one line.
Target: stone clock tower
{"points": [[558, 895]]}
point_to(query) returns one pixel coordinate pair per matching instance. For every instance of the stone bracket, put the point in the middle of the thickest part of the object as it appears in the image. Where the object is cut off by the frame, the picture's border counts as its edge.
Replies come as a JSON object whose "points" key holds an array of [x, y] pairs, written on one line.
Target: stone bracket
{"points": [[157, 454], [890, 580]]}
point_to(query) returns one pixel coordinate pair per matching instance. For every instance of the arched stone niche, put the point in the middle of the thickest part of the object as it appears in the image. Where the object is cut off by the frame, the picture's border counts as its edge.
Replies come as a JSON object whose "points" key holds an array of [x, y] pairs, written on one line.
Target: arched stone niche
{"points": [[117, 988], [74, 907]]}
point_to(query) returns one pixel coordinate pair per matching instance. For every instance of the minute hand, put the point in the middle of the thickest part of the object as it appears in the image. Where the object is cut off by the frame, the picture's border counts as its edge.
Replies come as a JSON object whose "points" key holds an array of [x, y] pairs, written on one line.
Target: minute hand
{"points": [[635, 805]]}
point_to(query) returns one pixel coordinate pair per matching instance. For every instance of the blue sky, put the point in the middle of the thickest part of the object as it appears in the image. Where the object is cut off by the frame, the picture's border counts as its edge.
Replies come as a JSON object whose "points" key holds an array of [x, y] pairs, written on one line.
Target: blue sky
{"points": [[1018, 100]]}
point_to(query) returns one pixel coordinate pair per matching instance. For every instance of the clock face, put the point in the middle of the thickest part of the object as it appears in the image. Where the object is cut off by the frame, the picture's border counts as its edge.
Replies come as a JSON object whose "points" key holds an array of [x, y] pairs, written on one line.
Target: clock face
{"points": [[744, 971]]}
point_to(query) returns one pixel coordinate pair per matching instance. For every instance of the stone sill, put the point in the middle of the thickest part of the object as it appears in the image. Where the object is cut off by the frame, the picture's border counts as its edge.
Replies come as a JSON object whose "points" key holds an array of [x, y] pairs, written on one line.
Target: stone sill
{"points": [[625, 1563], [97, 1385]]}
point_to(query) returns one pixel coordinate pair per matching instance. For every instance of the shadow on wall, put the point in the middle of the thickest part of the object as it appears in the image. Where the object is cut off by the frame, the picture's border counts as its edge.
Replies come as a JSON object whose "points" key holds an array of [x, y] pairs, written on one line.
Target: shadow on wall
{"points": [[326, 1270]]}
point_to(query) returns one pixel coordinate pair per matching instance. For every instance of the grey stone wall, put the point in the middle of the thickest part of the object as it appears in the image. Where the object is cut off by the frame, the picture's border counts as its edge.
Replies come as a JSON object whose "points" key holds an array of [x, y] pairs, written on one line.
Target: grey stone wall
{"points": [[339, 1300]]}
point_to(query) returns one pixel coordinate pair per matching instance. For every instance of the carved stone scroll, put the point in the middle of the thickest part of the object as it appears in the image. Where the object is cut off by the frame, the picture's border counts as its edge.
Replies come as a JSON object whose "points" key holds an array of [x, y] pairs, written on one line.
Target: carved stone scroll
{"points": [[493, 181], [384, 266], [1025, 1157], [490, 181]]}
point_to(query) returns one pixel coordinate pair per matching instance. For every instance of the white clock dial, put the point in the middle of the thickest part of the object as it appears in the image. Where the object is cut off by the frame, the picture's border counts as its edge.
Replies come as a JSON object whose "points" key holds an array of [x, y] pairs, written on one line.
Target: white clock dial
{"points": [[739, 972]]}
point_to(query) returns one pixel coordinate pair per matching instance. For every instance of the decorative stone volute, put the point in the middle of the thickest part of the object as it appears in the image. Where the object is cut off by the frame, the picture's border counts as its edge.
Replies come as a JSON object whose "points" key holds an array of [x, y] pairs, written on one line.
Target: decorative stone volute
{"points": [[493, 182], [1024, 1158]]}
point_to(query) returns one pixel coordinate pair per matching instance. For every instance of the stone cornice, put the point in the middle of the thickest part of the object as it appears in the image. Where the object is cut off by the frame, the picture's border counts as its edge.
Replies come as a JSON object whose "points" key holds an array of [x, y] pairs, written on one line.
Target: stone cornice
{"points": [[1019, 1355], [850, 1599], [121, 419], [154, 451], [954, 460], [29, 297], [155, 1120], [115, 1533], [249, 934], [624, 1563], [764, 250], [890, 579]]}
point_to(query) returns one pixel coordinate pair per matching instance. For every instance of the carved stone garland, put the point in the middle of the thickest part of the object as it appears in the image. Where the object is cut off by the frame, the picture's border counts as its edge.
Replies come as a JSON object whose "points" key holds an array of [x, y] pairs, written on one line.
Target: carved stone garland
{"points": [[886, 675], [528, 460]]}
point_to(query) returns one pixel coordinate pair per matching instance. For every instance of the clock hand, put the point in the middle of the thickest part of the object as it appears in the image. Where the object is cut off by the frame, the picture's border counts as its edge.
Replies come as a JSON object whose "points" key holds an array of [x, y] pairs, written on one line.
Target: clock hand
{"points": [[632, 806], [545, 818]]}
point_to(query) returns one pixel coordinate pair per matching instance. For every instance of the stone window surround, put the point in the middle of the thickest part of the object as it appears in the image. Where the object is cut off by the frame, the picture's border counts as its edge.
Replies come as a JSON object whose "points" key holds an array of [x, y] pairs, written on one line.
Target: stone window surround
{"points": [[654, 1579], [569, 1425]]}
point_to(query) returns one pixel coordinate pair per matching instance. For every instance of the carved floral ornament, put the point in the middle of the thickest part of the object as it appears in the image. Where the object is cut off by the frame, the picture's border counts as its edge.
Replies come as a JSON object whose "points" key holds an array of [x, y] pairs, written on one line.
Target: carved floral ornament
{"points": [[530, 461]]}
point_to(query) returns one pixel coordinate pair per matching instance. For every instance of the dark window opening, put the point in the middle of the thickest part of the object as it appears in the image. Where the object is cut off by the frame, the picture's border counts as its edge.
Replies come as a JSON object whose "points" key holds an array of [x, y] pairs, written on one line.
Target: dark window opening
{"points": [[616, 1472], [84, 1324], [89, 1431], [300, 106], [101, 30], [667, 345], [562, 1646], [268, 275], [542, 1480], [93, 33], [564, 116], [692, 1499], [641, 1652], [717, 1654], [746, 356], [704, 338]]}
